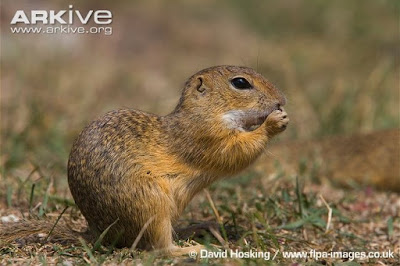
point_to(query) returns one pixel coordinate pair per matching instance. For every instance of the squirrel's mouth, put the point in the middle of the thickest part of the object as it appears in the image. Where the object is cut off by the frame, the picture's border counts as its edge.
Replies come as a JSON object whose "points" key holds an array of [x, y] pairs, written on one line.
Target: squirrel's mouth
{"points": [[246, 120]]}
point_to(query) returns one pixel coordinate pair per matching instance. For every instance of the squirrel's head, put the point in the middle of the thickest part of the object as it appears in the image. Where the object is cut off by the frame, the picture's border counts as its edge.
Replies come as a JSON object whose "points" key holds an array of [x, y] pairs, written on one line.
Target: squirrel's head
{"points": [[239, 97]]}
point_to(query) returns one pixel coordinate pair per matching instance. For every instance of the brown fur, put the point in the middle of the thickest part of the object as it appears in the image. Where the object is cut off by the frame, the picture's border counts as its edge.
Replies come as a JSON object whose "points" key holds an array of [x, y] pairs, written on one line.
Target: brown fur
{"points": [[367, 159], [38, 231], [136, 167]]}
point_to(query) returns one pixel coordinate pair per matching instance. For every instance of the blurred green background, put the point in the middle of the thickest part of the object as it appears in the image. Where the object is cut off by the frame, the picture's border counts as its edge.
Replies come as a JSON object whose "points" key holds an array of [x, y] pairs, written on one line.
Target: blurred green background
{"points": [[336, 61]]}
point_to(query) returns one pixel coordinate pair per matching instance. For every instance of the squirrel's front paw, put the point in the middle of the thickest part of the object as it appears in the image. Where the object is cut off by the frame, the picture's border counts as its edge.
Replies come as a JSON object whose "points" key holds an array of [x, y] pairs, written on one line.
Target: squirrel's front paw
{"points": [[277, 121]]}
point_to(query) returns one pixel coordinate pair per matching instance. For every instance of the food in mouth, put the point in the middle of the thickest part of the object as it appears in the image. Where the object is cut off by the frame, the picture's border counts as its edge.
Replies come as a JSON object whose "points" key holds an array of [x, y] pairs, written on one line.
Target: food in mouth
{"points": [[246, 120], [251, 122]]}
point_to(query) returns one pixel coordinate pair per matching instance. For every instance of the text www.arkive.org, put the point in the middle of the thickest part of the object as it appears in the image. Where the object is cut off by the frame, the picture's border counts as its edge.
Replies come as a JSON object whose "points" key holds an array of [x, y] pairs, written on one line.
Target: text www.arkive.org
{"points": [[62, 30]]}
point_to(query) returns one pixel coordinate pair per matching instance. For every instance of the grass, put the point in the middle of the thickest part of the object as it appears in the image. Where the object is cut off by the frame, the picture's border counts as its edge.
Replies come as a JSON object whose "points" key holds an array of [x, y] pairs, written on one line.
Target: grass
{"points": [[336, 61], [290, 219]]}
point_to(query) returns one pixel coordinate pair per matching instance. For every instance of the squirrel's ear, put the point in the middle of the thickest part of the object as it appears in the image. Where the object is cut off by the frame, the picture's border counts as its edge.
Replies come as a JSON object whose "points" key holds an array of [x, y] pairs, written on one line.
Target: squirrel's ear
{"points": [[200, 87]]}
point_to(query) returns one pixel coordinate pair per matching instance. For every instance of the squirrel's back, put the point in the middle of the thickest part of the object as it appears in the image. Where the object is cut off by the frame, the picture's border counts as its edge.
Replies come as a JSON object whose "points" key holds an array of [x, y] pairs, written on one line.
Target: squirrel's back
{"points": [[102, 157]]}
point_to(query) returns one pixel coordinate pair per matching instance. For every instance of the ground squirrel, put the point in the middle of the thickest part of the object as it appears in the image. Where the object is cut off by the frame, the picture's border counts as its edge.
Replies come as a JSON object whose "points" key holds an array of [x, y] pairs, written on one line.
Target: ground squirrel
{"points": [[138, 169], [370, 159]]}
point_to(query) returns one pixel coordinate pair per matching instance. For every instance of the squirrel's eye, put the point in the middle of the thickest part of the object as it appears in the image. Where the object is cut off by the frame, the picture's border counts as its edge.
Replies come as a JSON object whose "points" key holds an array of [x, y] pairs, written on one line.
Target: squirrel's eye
{"points": [[241, 83]]}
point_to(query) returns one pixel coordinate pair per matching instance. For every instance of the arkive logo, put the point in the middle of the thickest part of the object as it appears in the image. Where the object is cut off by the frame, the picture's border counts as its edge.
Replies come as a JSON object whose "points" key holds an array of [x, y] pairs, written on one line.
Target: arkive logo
{"points": [[69, 21], [51, 17]]}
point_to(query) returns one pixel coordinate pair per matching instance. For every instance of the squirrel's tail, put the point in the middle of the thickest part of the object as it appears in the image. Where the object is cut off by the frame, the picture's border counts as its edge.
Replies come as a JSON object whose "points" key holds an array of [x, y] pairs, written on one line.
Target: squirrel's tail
{"points": [[40, 231]]}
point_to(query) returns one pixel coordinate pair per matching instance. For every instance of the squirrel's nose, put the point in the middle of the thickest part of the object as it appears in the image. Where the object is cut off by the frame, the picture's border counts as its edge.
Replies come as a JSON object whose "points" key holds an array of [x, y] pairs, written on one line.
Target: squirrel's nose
{"points": [[282, 100]]}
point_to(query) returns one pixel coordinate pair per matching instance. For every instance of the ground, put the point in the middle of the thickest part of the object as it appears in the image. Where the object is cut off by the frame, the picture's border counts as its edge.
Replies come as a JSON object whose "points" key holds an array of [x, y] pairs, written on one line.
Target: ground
{"points": [[249, 212]]}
